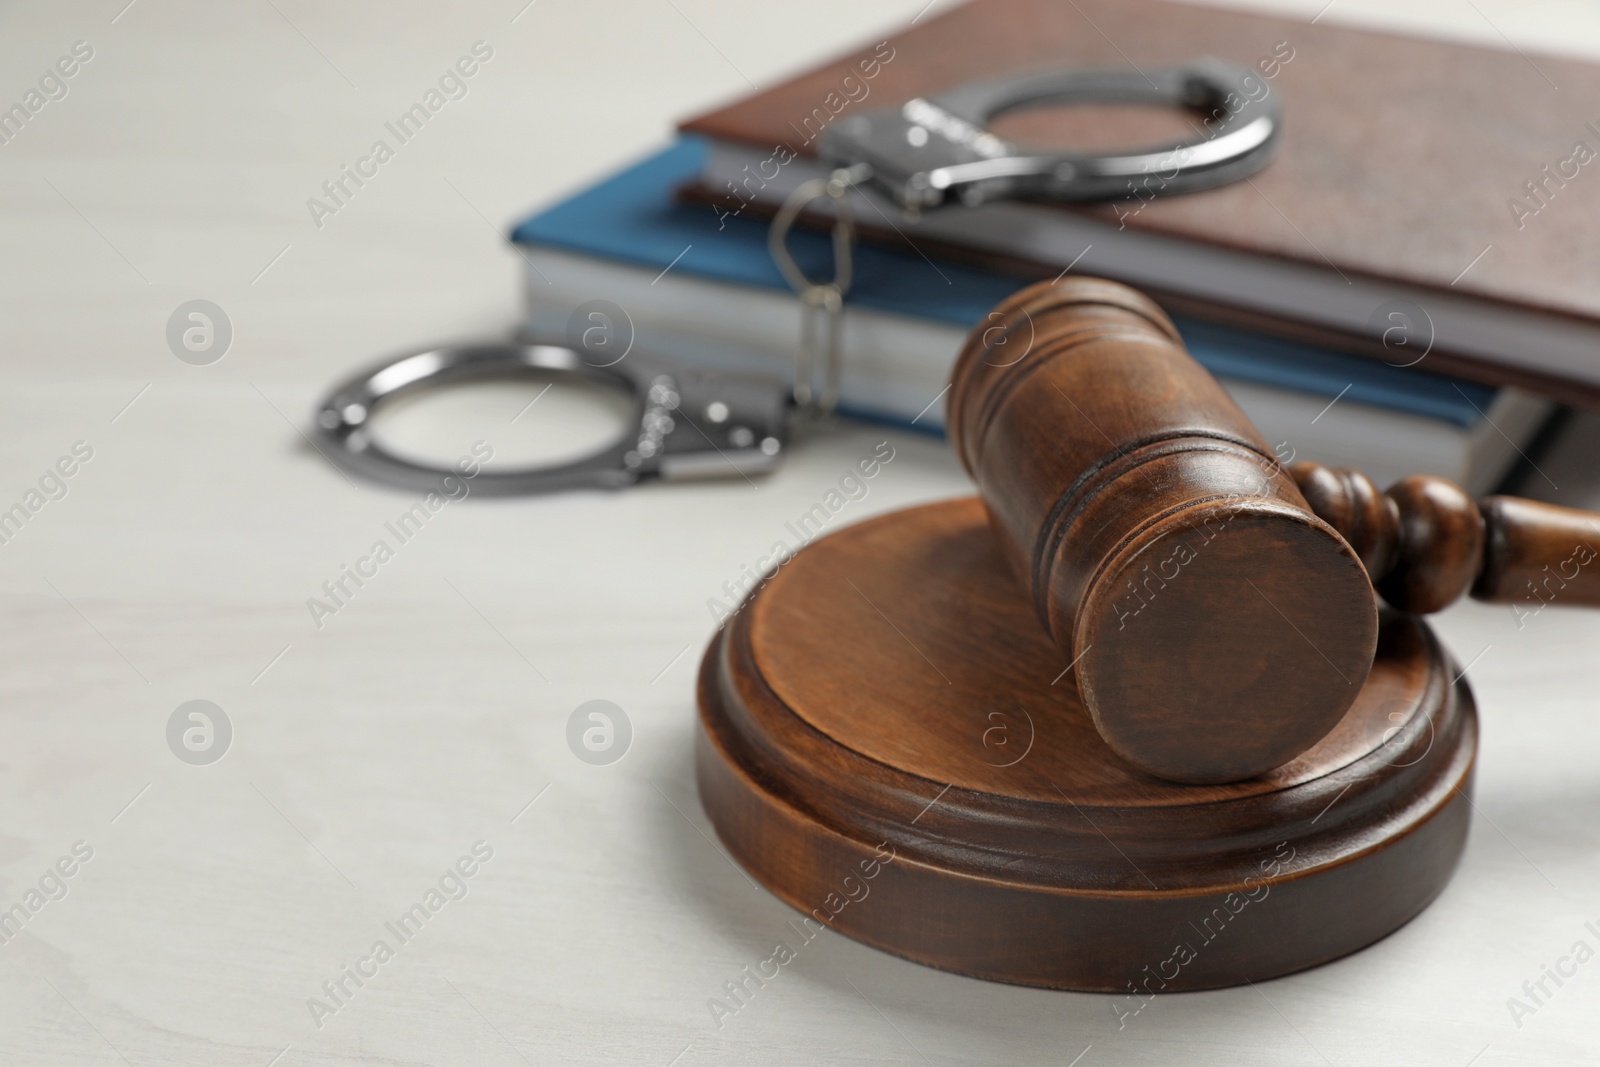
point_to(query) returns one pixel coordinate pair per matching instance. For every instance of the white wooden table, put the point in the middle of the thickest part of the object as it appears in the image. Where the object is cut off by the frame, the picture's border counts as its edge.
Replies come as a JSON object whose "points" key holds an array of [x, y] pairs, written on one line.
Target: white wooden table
{"points": [[371, 755]]}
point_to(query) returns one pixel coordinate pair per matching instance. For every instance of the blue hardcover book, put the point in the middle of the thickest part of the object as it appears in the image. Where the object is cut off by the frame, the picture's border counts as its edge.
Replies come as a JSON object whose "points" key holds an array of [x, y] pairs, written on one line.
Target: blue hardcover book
{"points": [[699, 283]]}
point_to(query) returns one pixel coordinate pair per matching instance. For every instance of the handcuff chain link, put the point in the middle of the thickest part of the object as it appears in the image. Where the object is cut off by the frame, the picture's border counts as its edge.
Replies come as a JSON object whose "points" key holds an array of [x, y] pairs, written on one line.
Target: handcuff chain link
{"points": [[821, 303]]}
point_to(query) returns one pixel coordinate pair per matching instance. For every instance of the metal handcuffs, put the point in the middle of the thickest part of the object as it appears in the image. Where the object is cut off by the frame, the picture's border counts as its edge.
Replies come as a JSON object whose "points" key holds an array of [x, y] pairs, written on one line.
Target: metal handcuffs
{"points": [[925, 154], [685, 423], [930, 151]]}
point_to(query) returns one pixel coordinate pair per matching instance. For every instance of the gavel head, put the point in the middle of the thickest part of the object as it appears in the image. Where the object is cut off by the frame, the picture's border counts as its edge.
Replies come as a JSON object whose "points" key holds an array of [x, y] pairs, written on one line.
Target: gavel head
{"points": [[1216, 627]]}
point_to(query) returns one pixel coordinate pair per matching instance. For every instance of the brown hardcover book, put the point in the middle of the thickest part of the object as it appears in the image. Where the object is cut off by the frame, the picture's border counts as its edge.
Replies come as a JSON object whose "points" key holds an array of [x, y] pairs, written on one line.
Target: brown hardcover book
{"points": [[1448, 190]]}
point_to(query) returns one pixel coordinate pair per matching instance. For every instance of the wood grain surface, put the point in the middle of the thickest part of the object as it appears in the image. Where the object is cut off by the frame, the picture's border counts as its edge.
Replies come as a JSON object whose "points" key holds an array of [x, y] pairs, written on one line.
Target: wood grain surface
{"points": [[1219, 627], [1425, 542], [889, 692]]}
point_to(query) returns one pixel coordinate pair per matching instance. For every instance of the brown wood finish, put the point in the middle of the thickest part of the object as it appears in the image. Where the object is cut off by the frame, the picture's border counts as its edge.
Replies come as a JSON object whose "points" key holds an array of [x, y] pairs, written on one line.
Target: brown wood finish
{"points": [[1218, 626], [1425, 542], [889, 743]]}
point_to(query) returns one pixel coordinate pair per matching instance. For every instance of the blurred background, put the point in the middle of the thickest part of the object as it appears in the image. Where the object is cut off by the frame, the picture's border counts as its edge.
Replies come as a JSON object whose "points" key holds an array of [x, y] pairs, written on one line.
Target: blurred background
{"points": [[370, 751]]}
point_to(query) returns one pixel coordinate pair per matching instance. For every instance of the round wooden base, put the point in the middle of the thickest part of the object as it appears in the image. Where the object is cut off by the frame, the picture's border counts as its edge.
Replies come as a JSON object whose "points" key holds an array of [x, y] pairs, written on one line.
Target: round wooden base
{"points": [[891, 744]]}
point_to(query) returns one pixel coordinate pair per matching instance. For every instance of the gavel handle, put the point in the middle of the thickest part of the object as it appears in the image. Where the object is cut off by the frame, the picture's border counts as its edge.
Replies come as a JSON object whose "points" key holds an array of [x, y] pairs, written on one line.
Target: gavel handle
{"points": [[1425, 541]]}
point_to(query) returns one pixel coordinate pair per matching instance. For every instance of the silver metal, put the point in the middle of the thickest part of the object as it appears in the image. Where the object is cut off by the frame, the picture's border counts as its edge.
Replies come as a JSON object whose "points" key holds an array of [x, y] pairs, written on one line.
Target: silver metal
{"points": [[671, 435], [935, 150], [819, 300]]}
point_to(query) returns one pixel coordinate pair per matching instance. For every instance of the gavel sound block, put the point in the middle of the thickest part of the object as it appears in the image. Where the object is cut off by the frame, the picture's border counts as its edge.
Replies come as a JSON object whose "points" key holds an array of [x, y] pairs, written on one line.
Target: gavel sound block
{"points": [[1135, 721]]}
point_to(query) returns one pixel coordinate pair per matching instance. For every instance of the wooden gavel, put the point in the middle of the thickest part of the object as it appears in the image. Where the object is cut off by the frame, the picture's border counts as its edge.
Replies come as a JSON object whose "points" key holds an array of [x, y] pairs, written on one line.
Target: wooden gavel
{"points": [[1217, 607]]}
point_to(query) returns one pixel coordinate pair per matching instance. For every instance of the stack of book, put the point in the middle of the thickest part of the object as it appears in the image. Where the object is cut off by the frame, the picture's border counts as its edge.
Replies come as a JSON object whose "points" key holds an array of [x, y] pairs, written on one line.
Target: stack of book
{"points": [[1283, 286]]}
